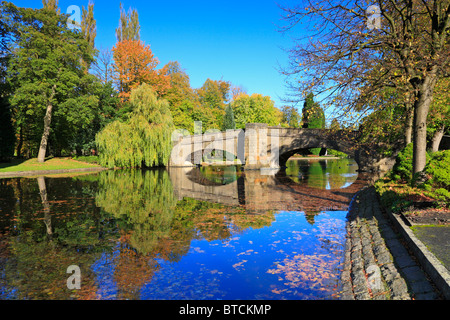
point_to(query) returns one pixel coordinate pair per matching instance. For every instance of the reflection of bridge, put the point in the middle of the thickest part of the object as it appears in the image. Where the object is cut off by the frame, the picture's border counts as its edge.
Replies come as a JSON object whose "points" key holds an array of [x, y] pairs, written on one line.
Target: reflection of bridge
{"points": [[260, 193], [260, 146]]}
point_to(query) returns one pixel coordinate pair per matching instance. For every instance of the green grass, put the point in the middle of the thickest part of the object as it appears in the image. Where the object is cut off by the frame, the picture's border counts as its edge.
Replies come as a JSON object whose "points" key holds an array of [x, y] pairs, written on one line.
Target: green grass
{"points": [[87, 159], [50, 164]]}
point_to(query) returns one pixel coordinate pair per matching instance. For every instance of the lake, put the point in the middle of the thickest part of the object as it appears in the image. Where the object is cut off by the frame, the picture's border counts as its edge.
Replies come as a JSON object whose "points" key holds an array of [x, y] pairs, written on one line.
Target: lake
{"points": [[178, 233]]}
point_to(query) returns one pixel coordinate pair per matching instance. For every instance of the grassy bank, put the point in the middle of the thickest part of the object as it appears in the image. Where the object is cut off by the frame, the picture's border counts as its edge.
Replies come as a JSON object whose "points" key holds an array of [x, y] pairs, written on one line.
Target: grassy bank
{"points": [[17, 165]]}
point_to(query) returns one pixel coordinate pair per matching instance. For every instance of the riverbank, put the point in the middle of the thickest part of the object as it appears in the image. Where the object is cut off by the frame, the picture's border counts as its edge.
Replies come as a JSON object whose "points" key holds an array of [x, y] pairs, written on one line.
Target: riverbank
{"points": [[31, 167], [314, 157], [378, 264]]}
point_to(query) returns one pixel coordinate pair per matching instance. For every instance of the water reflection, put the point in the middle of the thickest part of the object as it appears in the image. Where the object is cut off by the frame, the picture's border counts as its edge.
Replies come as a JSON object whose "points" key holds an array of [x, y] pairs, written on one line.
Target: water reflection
{"points": [[210, 233], [323, 174]]}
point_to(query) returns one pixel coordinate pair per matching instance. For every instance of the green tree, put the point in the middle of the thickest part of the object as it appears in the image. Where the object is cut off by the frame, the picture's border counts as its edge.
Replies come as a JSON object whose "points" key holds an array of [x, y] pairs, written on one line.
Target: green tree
{"points": [[129, 27], [213, 96], [291, 116], [181, 96], [51, 5], [54, 74], [89, 30], [313, 115], [144, 139], [7, 137], [335, 125], [255, 109], [228, 119]]}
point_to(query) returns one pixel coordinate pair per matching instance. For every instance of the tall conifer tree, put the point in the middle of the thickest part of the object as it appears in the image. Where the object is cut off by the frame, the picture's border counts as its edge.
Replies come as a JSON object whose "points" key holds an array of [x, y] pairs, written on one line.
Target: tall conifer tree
{"points": [[129, 27]]}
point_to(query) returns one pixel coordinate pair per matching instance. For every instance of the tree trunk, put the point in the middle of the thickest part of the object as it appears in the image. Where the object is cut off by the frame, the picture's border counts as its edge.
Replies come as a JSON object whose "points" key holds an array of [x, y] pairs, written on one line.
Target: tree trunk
{"points": [[437, 137], [44, 140], [409, 123], [421, 108], [47, 123], [20, 143]]}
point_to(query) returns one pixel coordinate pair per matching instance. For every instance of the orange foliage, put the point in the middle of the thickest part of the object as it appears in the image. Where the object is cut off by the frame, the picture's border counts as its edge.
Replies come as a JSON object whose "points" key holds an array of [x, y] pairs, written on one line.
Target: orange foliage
{"points": [[134, 64]]}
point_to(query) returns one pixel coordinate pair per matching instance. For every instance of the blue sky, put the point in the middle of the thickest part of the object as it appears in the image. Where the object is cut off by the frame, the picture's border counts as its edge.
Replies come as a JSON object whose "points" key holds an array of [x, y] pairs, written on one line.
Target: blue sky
{"points": [[236, 41]]}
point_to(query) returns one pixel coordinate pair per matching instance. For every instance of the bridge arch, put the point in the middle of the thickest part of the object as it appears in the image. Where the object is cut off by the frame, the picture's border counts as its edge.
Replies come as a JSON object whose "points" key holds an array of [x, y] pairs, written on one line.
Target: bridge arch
{"points": [[294, 140]]}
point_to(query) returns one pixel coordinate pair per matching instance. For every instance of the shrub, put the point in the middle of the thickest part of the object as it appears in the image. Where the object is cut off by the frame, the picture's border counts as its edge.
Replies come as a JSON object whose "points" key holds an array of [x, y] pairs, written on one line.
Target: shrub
{"points": [[439, 169], [403, 168]]}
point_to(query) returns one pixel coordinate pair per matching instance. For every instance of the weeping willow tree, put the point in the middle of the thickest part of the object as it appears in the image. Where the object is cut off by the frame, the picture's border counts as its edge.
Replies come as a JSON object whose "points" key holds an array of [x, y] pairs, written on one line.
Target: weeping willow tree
{"points": [[148, 211], [144, 140]]}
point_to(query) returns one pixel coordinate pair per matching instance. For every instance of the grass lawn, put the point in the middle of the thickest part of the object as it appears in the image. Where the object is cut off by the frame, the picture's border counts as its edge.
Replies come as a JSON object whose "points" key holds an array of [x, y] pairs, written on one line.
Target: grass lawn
{"points": [[50, 164]]}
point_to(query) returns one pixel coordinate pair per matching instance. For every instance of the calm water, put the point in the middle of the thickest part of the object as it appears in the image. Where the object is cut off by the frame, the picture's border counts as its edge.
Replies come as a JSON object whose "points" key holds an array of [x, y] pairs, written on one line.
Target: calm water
{"points": [[209, 233]]}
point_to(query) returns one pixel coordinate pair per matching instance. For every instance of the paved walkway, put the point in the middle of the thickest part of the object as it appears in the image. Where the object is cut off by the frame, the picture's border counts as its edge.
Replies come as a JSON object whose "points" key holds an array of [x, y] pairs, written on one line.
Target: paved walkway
{"points": [[377, 265]]}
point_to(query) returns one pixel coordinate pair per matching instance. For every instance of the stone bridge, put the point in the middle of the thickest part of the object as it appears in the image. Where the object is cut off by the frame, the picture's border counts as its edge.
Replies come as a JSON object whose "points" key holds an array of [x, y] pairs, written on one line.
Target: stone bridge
{"points": [[259, 146]]}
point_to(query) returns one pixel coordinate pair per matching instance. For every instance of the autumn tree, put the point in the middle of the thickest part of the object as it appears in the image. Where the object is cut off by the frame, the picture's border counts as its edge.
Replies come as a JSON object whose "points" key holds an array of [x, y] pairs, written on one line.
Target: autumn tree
{"points": [[135, 64], [405, 40], [129, 27]]}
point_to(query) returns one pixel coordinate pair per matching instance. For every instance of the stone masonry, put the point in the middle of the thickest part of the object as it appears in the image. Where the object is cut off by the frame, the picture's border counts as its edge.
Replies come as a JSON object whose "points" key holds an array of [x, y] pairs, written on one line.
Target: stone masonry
{"points": [[377, 265]]}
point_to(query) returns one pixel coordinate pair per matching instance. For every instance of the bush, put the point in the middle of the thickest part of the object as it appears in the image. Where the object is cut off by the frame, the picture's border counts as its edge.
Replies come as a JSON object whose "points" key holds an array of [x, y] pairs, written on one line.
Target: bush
{"points": [[439, 169], [390, 198], [403, 168]]}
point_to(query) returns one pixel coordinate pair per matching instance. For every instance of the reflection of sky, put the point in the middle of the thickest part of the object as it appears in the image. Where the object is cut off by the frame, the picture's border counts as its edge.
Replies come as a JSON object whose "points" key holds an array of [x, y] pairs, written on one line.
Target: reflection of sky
{"points": [[104, 268], [236, 268]]}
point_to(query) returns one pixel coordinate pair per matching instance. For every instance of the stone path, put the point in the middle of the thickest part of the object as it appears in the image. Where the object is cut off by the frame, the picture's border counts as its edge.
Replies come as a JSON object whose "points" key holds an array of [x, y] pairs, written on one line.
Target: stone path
{"points": [[377, 265]]}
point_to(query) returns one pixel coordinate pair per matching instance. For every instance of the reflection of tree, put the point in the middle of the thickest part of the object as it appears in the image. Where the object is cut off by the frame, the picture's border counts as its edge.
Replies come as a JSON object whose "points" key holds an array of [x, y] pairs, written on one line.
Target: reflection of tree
{"points": [[335, 170], [132, 271], [36, 253], [316, 177], [46, 205], [213, 221], [322, 174], [37, 270], [144, 200], [220, 174], [310, 215]]}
